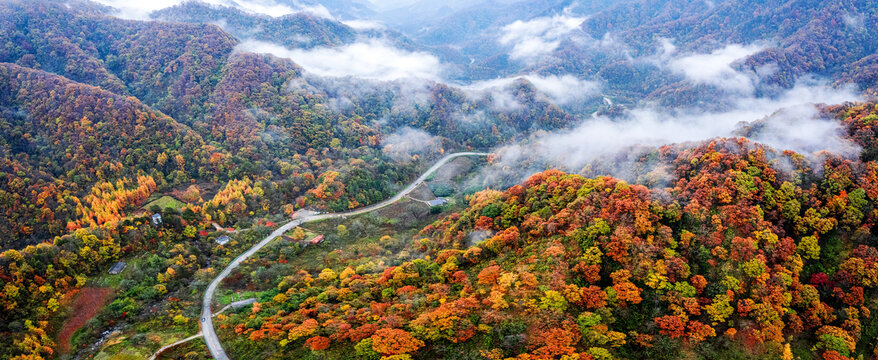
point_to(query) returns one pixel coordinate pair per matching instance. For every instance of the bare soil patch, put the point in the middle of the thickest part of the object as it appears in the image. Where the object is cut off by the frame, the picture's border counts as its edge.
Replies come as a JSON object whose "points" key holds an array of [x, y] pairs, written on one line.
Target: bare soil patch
{"points": [[88, 303]]}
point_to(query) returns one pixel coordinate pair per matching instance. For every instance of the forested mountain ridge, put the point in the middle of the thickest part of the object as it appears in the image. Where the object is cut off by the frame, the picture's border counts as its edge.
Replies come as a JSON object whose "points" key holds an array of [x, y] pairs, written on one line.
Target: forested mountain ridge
{"points": [[119, 55], [226, 122], [799, 37], [749, 253], [295, 30], [72, 135], [622, 42], [299, 30], [229, 114]]}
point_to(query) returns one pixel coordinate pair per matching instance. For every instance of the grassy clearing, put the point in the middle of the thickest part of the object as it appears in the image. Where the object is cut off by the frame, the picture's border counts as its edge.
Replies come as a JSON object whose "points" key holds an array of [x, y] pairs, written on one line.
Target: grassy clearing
{"points": [[309, 234], [138, 346], [165, 202]]}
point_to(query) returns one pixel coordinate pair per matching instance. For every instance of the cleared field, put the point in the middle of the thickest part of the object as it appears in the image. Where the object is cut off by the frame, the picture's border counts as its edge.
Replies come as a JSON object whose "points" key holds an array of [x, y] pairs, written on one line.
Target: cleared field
{"points": [[165, 202]]}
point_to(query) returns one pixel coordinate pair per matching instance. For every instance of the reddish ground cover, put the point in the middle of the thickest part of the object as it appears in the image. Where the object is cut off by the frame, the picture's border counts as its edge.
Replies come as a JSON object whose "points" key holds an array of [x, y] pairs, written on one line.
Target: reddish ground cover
{"points": [[87, 304]]}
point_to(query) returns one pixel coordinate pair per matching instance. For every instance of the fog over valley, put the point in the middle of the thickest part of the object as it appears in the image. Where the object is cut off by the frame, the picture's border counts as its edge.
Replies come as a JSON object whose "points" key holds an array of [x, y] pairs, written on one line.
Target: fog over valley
{"points": [[735, 89], [420, 179]]}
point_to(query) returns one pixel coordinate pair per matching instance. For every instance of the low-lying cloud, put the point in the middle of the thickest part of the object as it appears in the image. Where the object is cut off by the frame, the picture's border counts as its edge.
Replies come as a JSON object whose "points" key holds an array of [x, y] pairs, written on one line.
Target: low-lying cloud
{"points": [[856, 21], [566, 89], [370, 59], [534, 39], [560, 90], [365, 25], [789, 121], [406, 142], [803, 130], [342, 93], [716, 68]]}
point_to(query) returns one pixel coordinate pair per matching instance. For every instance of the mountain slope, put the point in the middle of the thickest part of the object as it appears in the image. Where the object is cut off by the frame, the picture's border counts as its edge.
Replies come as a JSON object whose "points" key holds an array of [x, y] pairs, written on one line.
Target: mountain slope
{"points": [[749, 253], [71, 136], [801, 36], [177, 103], [174, 74], [298, 30]]}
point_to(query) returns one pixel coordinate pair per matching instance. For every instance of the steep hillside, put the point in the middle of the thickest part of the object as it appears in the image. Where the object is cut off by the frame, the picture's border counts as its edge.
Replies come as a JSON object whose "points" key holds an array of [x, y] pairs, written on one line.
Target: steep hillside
{"points": [[718, 246], [749, 254], [175, 101], [800, 36], [121, 56], [298, 30], [60, 135]]}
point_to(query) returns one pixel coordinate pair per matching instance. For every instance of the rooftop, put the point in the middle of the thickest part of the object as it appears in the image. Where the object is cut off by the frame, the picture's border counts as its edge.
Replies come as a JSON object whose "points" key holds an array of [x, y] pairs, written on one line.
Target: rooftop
{"points": [[437, 202], [117, 268], [222, 240], [317, 239]]}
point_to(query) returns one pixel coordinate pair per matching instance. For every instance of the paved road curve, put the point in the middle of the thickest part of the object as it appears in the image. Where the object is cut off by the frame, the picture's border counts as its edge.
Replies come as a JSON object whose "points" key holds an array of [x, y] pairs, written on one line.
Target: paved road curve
{"points": [[213, 343], [166, 347]]}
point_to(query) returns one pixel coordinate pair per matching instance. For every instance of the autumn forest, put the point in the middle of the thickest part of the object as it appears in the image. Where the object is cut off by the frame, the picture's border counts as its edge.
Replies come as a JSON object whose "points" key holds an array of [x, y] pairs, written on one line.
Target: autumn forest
{"points": [[403, 179]]}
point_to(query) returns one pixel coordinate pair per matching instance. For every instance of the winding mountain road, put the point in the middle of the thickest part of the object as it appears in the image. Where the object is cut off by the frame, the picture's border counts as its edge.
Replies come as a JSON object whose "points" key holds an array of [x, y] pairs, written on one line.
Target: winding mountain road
{"points": [[166, 347], [210, 338]]}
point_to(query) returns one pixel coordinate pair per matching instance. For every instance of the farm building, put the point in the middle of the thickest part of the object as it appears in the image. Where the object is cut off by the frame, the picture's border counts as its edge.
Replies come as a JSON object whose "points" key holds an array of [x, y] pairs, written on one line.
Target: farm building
{"points": [[222, 240], [437, 202], [156, 219], [316, 240], [117, 268]]}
